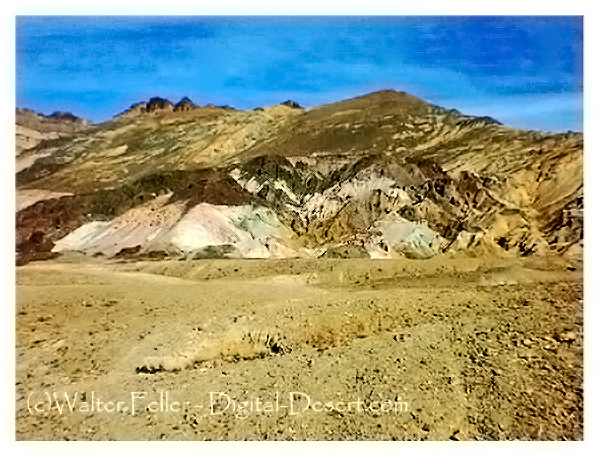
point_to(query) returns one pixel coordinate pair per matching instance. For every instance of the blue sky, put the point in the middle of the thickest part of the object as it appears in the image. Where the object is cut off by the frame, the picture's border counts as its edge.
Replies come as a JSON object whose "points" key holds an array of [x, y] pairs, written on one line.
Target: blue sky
{"points": [[524, 71]]}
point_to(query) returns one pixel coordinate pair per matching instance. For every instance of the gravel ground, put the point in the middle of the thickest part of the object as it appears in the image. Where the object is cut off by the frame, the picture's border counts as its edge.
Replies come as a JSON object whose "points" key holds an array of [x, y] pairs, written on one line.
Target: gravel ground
{"points": [[444, 349]]}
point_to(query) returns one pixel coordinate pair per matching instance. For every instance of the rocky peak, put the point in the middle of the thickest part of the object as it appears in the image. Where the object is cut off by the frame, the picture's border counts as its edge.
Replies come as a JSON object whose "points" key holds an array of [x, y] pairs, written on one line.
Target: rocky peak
{"points": [[57, 116], [158, 104], [153, 106], [292, 104], [65, 116], [57, 122], [185, 104]]}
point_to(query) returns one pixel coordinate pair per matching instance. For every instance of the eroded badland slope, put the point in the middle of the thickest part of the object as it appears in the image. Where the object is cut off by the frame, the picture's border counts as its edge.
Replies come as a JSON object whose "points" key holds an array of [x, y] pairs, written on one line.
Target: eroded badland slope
{"points": [[379, 176]]}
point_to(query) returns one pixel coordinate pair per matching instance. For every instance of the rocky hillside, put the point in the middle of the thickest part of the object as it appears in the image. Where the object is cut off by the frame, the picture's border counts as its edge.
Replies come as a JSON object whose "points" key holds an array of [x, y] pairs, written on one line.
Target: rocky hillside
{"points": [[32, 128], [378, 176]]}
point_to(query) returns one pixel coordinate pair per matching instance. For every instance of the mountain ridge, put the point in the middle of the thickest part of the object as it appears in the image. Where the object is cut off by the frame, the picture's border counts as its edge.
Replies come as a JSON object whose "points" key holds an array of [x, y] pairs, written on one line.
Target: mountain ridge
{"points": [[381, 175]]}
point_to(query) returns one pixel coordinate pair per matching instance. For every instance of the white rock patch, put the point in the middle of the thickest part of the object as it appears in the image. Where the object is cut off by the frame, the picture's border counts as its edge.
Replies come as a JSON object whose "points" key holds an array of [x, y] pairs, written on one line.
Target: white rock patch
{"points": [[250, 230], [411, 239], [253, 232], [139, 226]]}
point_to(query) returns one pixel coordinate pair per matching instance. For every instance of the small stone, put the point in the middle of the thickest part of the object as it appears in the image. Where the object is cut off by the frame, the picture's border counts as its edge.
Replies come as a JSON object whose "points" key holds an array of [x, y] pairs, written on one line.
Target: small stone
{"points": [[566, 337], [527, 342]]}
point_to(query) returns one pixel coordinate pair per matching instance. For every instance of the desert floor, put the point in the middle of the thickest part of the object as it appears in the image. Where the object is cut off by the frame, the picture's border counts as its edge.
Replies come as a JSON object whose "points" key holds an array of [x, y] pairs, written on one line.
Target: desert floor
{"points": [[461, 349]]}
